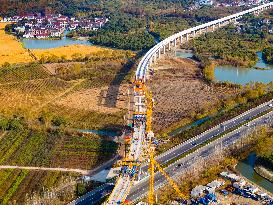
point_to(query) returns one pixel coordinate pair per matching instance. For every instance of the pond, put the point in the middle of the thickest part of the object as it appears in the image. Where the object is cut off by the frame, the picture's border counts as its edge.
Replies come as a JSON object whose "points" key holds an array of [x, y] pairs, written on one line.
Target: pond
{"points": [[243, 76], [246, 168], [184, 54], [49, 43], [106, 133]]}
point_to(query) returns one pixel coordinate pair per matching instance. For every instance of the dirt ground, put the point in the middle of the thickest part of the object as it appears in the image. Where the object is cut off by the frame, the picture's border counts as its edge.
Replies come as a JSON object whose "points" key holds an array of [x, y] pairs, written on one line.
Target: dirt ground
{"points": [[94, 99], [178, 90]]}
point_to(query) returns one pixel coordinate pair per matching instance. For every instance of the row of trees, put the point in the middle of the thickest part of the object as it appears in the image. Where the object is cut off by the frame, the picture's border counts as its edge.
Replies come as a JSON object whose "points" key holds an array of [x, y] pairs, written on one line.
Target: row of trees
{"points": [[133, 41]]}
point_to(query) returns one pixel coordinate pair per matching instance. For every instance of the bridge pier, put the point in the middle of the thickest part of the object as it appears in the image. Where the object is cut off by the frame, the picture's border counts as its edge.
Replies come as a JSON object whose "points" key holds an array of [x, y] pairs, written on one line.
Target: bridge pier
{"points": [[181, 39], [154, 58]]}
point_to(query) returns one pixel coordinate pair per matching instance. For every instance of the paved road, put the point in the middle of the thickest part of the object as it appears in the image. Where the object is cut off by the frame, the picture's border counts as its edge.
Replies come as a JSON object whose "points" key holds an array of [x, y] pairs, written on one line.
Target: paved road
{"points": [[141, 189], [95, 196], [173, 153], [209, 134]]}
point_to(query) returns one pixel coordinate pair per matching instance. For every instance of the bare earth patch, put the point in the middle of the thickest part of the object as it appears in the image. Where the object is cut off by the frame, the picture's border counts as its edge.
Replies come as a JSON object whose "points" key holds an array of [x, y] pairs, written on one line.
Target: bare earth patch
{"points": [[51, 67], [178, 90], [94, 100]]}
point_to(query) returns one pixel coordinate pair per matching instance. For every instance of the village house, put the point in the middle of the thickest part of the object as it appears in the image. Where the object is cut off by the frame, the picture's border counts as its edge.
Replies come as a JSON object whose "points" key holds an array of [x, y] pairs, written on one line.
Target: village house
{"points": [[51, 25]]}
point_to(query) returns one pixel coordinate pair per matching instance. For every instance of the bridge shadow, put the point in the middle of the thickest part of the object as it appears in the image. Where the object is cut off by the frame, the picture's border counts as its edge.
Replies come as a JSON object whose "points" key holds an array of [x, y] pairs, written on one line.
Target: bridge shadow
{"points": [[112, 92]]}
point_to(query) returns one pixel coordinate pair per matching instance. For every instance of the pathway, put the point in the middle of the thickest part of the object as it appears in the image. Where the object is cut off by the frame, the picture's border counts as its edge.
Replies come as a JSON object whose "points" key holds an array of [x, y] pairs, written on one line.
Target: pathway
{"points": [[81, 171]]}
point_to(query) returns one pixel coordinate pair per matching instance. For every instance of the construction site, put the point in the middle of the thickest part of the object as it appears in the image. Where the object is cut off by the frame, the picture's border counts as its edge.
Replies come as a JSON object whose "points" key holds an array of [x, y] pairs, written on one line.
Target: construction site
{"points": [[140, 140]]}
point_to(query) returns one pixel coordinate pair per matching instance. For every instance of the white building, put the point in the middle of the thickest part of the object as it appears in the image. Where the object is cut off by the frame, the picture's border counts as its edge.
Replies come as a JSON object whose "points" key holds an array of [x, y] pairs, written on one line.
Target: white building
{"points": [[198, 191]]}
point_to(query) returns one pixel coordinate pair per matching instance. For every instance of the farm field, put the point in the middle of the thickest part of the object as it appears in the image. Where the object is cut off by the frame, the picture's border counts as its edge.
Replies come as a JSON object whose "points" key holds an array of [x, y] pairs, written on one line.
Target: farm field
{"points": [[11, 50], [41, 147], [87, 94], [71, 52], [180, 92], [18, 186], [76, 86], [29, 147]]}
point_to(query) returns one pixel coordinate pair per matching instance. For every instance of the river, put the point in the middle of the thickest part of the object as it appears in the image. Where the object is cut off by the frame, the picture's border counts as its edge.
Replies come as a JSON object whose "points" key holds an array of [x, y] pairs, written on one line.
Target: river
{"points": [[246, 168]]}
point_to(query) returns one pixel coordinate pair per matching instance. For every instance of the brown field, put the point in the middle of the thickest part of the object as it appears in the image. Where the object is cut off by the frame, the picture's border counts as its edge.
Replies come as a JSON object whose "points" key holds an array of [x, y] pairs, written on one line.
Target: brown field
{"points": [[69, 51], [180, 92], [11, 50], [93, 99], [31, 95]]}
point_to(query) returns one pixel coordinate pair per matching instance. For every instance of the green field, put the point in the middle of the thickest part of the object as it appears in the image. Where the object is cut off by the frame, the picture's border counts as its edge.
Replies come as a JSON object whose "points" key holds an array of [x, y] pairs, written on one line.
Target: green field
{"points": [[24, 146], [17, 186]]}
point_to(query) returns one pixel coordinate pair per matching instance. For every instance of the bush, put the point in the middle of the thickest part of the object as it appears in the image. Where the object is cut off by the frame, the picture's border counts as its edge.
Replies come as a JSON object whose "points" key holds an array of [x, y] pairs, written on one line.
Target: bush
{"points": [[81, 190], [15, 124], [4, 124], [58, 121]]}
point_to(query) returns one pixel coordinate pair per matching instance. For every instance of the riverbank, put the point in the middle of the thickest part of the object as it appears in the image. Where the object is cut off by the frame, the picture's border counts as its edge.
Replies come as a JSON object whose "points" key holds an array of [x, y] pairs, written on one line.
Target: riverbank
{"points": [[263, 172]]}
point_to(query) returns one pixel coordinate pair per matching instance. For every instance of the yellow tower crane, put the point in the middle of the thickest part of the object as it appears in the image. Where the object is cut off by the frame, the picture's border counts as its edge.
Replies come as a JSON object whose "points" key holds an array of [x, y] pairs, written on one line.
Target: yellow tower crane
{"points": [[153, 163]]}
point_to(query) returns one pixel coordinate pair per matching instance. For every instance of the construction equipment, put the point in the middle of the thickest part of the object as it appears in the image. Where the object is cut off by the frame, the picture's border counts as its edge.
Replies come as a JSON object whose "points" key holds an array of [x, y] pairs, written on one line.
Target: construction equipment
{"points": [[153, 163], [142, 121]]}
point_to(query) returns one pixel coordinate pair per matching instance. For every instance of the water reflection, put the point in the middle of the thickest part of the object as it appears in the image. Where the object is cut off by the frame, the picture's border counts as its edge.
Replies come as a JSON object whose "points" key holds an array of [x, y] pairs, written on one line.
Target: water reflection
{"points": [[246, 168], [245, 75]]}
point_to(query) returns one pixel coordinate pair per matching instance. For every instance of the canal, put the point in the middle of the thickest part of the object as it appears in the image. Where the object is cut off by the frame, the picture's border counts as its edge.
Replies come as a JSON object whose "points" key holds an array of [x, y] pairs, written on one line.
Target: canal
{"points": [[246, 168]]}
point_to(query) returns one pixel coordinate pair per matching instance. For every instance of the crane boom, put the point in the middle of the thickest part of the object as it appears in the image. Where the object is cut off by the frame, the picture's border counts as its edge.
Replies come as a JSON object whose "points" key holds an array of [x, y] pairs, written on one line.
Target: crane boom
{"points": [[169, 179], [153, 163]]}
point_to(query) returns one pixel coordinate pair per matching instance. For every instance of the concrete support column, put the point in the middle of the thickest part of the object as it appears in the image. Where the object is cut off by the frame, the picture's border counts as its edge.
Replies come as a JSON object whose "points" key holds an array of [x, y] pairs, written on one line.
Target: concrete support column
{"points": [[159, 53], [154, 58], [150, 62], [213, 27], [174, 42], [164, 49], [169, 45], [181, 39], [187, 37], [193, 33]]}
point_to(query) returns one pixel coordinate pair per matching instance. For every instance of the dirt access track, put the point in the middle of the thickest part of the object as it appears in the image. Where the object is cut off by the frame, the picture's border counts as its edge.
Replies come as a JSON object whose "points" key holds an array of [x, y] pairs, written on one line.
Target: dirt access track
{"points": [[179, 91]]}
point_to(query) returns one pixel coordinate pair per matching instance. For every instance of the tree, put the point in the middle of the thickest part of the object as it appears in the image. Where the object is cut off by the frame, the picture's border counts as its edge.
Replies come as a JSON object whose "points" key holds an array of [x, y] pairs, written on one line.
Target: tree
{"points": [[4, 124], [58, 121], [81, 190], [15, 124]]}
